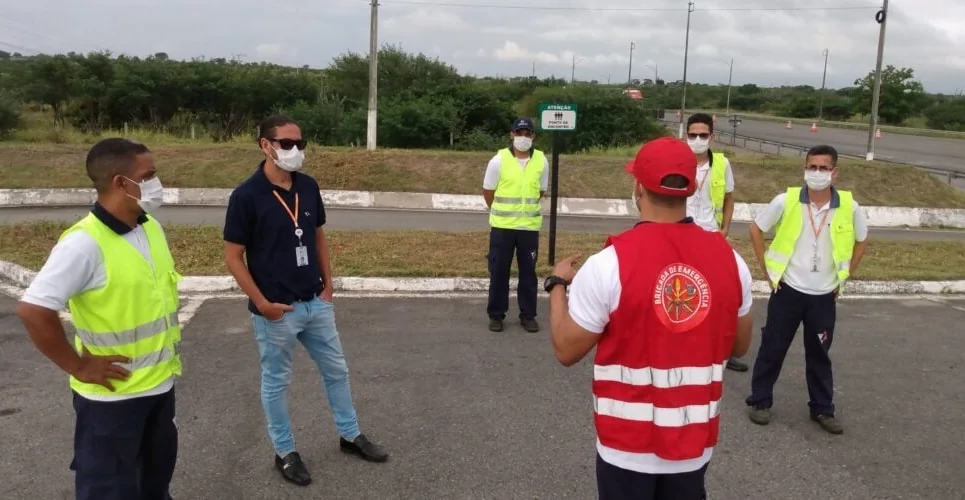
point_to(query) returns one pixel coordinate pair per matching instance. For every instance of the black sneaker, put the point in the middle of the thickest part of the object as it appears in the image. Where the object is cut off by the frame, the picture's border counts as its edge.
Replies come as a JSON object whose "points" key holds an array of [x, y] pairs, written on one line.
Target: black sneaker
{"points": [[364, 448], [293, 469], [737, 366], [530, 325], [495, 325], [828, 423], [760, 415]]}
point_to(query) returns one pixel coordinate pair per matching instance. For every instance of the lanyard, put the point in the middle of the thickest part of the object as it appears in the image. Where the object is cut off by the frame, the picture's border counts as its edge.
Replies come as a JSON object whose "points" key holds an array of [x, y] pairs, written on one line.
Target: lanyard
{"points": [[293, 215], [817, 230], [700, 185]]}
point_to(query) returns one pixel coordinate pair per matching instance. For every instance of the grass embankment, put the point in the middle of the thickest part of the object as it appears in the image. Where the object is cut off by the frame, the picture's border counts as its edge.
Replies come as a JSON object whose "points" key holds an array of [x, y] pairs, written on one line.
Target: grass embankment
{"points": [[198, 251], [598, 175]]}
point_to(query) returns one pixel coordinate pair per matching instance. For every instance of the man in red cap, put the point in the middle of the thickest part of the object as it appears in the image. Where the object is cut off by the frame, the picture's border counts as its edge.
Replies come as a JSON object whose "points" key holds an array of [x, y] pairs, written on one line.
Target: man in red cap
{"points": [[666, 304]]}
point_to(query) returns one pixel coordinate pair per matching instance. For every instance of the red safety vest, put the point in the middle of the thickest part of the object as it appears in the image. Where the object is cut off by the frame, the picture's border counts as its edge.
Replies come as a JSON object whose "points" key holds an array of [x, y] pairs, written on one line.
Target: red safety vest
{"points": [[659, 364]]}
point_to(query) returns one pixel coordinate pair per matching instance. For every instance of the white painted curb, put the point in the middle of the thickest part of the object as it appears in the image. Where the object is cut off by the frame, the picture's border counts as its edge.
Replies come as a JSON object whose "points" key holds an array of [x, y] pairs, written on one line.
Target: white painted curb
{"points": [[21, 277], [743, 212]]}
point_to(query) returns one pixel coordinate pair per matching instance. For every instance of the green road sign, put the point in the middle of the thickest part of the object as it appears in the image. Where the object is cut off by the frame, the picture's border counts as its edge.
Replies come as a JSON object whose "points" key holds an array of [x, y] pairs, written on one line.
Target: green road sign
{"points": [[553, 116]]}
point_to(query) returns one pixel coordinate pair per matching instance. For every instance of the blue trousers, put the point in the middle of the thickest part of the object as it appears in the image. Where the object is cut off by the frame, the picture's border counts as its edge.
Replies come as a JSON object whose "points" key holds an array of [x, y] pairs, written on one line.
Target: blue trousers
{"points": [[503, 243], [125, 450], [614, 483], [786, 310], [312, 323]]}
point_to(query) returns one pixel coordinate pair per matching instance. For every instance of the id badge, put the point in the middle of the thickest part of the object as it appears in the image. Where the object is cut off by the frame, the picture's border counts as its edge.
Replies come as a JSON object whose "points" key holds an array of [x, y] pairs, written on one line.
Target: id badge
{"points": [[301, 256]]}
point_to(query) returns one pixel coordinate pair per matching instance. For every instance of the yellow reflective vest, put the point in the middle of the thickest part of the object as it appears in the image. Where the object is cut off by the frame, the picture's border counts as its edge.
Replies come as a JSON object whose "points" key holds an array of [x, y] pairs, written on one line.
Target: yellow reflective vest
{"points": [[134, 315], [789, 229], [718, 185], [516, 200]]}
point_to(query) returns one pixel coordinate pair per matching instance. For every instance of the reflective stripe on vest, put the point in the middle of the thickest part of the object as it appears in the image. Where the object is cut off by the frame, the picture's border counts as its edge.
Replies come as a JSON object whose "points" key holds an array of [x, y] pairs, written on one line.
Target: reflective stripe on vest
{"points": [[718, 186], [516, 200], [134, 315], [659, 379], [791, 225]]}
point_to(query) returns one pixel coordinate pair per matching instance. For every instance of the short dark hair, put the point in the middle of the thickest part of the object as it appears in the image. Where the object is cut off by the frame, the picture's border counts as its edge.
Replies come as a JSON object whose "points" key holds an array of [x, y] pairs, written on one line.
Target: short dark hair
{"points": [[701, 118], [674, 181], [823, 150], [112, 157], [267, 127]]}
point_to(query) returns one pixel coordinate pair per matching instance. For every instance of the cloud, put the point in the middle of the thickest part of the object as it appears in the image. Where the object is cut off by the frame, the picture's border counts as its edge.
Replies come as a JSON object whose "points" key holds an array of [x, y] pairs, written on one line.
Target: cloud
{"points": [[769, 47]]}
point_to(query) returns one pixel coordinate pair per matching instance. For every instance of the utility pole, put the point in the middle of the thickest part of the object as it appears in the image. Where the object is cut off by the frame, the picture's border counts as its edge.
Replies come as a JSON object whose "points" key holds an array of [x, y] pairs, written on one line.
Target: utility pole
{"points": [[573, 70], [534, 69], [630, 68], [730, 79], [373, 77], [824, 79], [683, 100], [881, 18]]}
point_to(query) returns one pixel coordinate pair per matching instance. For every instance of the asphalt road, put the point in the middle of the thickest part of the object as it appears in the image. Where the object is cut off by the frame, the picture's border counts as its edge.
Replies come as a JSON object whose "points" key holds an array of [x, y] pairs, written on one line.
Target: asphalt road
{"points": [[915, 150], [369, 219], [468, 414]]}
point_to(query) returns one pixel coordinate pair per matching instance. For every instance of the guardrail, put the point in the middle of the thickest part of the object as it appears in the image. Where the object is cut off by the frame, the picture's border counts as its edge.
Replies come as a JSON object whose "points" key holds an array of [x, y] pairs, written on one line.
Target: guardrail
{"points": [[767, 146]]}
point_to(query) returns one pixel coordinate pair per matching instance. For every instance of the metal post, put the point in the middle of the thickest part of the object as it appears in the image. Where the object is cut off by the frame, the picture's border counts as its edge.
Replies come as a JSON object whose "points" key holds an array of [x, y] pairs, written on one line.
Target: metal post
{"points": [[573, 71], [824, 79], [730, 78], [630, 66], [882, 18], [373, 77], [554, 195], [683, 100]]}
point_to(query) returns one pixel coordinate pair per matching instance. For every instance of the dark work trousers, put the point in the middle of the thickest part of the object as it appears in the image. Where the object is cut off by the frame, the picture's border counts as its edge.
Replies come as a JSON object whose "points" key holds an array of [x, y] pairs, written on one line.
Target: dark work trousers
{"points": [[614, 483], [502, 244], [125, 450], [786, 309]]}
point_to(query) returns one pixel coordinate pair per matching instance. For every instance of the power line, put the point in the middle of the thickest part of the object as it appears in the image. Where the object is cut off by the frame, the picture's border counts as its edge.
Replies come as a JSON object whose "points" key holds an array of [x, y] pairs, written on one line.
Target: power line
{"points": [[20, 47], [624, 9]]}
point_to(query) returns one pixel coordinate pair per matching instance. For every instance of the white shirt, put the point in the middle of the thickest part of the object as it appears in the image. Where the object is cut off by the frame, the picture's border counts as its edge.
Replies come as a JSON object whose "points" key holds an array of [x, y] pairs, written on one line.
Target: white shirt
{"points": [[493, 170], [798, 274], [76, 265], [699, 204], [593, 296]]}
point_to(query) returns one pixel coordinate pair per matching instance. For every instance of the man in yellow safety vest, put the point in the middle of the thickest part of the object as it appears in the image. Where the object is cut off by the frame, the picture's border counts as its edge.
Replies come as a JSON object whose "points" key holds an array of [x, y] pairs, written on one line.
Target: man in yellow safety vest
{"points": [[114, 271], [712, 204], [820, 236], [515, 182]]}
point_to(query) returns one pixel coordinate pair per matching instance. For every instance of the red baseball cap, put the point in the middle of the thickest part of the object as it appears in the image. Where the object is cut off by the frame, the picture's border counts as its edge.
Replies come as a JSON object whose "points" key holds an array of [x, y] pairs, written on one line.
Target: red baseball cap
{"points": [[662, 157]]}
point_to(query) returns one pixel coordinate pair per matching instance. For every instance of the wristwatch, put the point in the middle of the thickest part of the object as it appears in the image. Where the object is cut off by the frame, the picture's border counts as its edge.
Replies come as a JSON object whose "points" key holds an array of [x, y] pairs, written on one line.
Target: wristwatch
{"points": [[552, 281]]}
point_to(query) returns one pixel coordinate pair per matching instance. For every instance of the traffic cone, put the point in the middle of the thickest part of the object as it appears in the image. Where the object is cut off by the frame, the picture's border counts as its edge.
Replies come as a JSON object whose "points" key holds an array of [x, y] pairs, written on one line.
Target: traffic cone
{"points": [[788, 126], [814, 127], [878, 134]]}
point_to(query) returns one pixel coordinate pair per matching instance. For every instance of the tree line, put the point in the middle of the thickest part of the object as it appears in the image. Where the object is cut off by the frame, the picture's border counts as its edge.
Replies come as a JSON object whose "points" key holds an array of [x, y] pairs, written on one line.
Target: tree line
{"points": [[423, 102]]}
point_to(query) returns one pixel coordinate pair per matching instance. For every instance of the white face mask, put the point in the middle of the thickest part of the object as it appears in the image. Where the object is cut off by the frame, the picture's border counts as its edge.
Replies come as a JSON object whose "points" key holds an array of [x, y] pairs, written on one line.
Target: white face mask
{"points": [[290, 160], [817, 180], [522, 143], [698, 145], [152, 194]]}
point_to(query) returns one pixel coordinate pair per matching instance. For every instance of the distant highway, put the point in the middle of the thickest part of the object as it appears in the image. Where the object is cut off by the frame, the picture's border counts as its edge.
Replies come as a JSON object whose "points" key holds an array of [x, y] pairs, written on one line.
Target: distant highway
{"points": [[403, 220], [915, 150]]}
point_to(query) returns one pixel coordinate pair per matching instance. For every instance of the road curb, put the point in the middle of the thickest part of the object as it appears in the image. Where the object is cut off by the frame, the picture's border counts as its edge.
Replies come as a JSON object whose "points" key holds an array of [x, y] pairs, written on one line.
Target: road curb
{"points": [[21, 277], [597, 207]]}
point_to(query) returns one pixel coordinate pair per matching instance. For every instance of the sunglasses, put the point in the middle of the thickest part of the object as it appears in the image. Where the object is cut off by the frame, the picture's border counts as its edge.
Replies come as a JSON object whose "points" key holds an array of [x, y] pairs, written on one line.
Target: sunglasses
{"points": [[287, 144], [702, 136]]}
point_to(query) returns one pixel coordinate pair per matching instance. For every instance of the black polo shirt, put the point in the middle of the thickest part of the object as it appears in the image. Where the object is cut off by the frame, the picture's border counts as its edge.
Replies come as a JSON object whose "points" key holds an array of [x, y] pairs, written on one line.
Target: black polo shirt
{"points": [[112, 222], [257, 220]]}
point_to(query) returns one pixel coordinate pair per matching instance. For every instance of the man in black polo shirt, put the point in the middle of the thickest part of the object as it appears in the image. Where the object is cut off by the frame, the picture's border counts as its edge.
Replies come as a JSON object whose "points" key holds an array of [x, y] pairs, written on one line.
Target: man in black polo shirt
{"points": [[275, 219]]}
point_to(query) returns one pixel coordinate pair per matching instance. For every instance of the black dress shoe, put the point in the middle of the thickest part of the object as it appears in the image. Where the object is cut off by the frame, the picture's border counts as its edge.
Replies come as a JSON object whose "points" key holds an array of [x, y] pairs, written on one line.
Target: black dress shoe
{"points": [[737, 366], [530, 325], [495, 325], [293, 469], [363, 448]]}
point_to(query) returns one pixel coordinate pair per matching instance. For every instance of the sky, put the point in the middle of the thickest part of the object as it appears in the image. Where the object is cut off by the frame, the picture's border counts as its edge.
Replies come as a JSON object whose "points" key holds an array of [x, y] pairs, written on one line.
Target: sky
{"points": [[776, 42]]}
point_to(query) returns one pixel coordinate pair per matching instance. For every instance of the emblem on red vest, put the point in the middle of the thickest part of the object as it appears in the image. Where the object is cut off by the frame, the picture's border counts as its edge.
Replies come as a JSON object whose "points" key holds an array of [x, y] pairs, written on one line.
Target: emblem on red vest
{"points": [[681, 297]]}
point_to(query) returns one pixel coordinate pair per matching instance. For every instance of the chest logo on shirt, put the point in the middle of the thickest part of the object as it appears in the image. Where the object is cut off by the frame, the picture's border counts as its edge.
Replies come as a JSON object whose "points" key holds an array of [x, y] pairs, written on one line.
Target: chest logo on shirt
{"points": [[681, 297]]}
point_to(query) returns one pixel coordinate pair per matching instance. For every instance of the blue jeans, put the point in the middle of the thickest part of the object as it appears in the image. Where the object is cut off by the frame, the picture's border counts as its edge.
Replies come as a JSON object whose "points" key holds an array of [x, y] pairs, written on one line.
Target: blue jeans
{"points": [[313, 324]]}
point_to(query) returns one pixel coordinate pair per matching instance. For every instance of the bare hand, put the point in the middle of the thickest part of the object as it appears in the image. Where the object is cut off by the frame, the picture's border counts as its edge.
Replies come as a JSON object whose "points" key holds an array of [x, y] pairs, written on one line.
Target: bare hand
{"points": [[564, 268], [273, 311], [326, 295], [101, 369]]}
